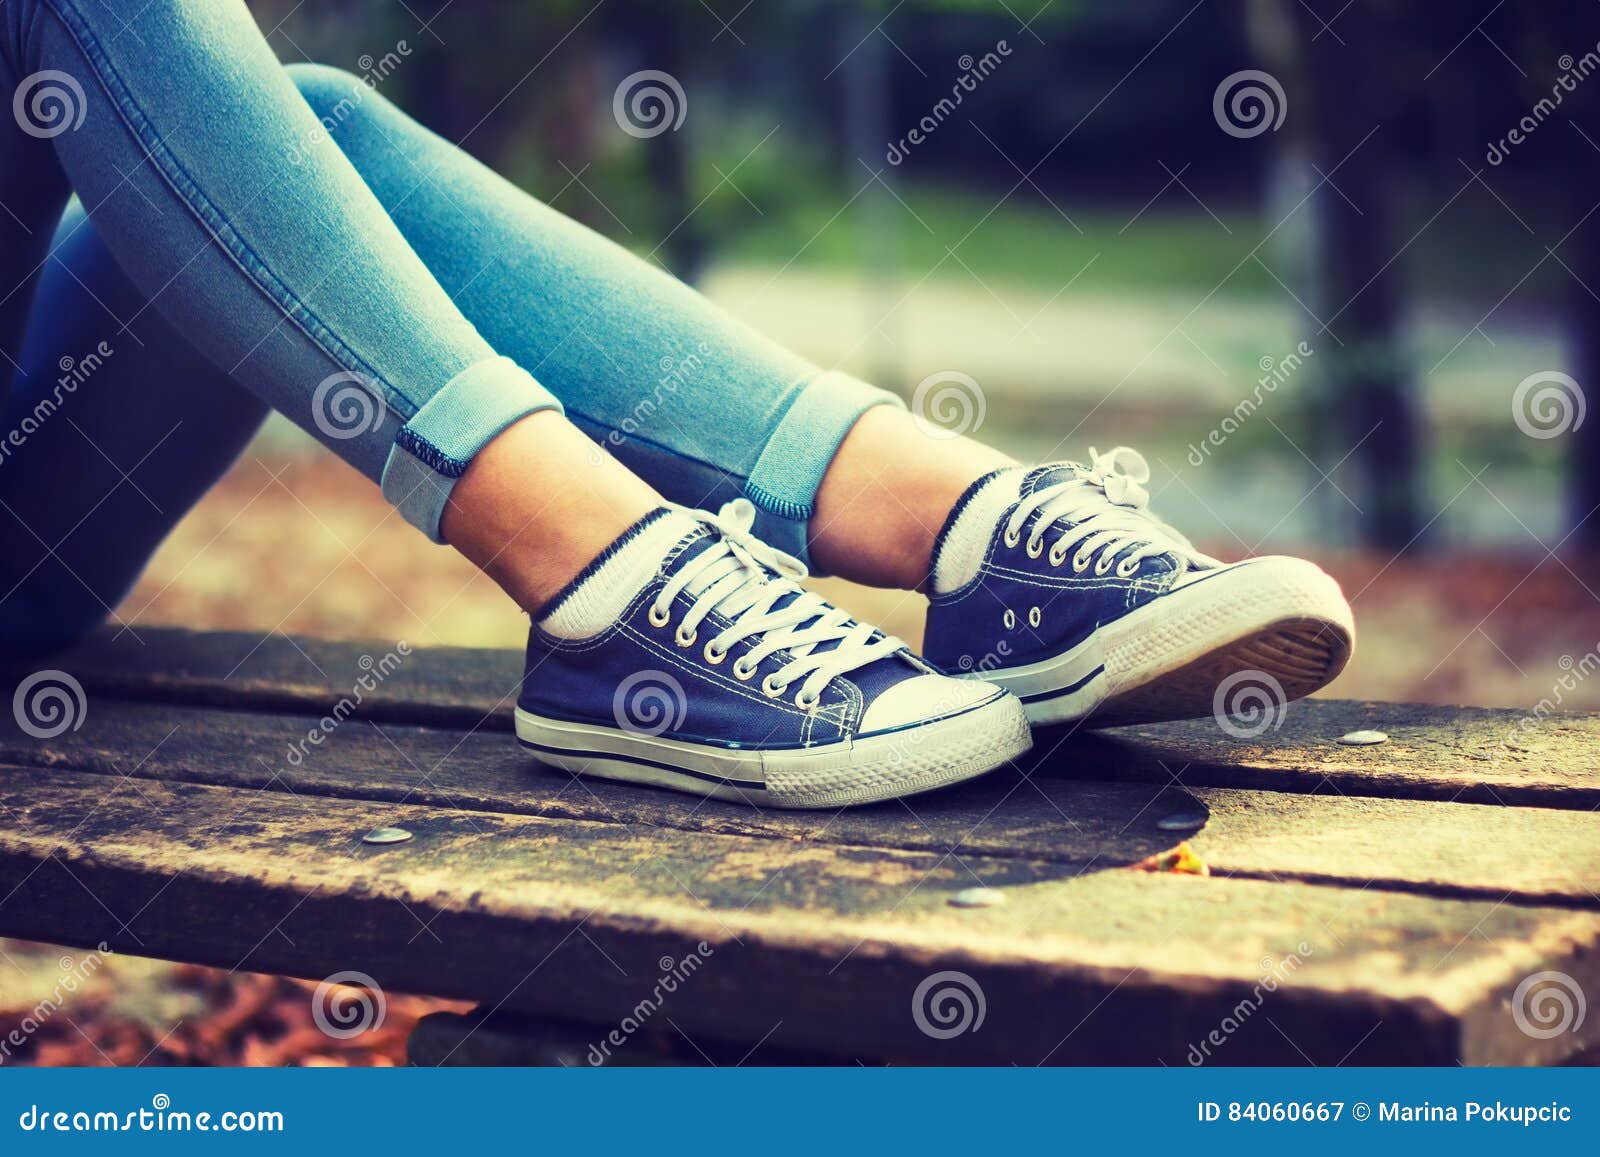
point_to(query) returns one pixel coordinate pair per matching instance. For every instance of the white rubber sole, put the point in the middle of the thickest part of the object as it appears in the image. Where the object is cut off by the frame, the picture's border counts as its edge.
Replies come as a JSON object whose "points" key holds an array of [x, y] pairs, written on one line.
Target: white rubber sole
{"points": [[867, 769], [1277, 617]]}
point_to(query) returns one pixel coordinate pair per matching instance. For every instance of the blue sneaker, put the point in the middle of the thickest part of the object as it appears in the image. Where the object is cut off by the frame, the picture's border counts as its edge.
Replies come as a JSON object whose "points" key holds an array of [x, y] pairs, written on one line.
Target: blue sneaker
{"points": [[1059, 585], [686, 656]]}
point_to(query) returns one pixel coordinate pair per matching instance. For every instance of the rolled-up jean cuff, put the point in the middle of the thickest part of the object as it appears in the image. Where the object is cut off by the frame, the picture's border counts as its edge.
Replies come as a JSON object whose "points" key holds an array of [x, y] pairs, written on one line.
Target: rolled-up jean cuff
{"points": [[432, 450], [783, 484]]}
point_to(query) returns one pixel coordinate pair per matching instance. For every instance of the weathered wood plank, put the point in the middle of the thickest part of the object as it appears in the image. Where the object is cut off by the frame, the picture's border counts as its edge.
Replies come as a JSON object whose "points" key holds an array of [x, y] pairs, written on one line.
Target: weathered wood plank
{"points": [[1446, 753], [1464, 754], [823, 947], [444, 687], [1525, 855]]}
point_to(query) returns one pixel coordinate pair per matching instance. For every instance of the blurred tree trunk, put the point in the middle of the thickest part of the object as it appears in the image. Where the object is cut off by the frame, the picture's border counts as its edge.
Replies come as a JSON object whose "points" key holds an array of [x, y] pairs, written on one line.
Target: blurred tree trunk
{"points": [[657, 36], [1347, 91], [1584, 319], [865, 133], [1581, 252]]}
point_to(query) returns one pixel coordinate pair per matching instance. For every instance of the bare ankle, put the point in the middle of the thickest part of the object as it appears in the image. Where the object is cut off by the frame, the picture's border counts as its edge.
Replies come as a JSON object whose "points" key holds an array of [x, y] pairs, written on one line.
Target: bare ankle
{"points": [[887, 494], [538, 504]]}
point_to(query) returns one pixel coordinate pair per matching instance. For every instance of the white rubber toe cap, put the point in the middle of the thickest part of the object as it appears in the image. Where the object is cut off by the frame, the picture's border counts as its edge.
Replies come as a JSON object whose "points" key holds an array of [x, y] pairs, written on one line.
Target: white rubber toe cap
{"points": [[923, 697]]}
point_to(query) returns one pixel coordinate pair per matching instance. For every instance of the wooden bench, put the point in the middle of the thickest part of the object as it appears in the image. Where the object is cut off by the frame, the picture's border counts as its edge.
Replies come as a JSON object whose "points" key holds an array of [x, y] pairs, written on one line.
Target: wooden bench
{"points": [[1364, 905]]}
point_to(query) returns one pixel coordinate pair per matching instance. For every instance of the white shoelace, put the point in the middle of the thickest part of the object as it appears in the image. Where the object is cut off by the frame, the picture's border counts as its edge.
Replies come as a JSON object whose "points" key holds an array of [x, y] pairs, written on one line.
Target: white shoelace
{"points": [[734, 576], [1103, 508]]}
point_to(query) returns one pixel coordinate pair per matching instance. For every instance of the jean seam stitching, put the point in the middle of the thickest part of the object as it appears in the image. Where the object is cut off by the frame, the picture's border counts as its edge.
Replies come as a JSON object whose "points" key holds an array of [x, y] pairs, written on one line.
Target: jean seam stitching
{"points": [[189, 192], [772, 504], [428, 454]]}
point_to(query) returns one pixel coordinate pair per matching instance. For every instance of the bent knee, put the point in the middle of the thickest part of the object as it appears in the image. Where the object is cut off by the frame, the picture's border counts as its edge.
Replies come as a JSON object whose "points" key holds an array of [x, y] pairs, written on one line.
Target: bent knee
{"points": [[328, 90]]}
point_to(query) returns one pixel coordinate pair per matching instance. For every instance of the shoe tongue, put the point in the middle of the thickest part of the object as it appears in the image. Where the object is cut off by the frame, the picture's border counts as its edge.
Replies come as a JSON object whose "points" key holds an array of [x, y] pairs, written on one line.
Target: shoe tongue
{"points": [[884, 671], [1042, 476], [698, 540]]}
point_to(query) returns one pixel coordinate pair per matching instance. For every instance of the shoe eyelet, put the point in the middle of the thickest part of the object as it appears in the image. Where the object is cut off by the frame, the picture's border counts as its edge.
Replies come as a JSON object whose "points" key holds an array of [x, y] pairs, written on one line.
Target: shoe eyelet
{"points": [[1080, 563], [1103, 567], [771, 688], [807, 702], [1034, 617], [1035, 547], [714, 656], [659, 620], [1010, 620], [741, 671], [1012, 538], [1057, 557], [1124, 570], [684, 640]]}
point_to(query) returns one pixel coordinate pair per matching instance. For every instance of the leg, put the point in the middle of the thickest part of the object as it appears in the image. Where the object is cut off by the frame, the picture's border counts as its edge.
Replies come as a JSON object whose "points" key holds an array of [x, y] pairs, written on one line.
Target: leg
{"points": [[699, 405], [244, 225], [127, 429], [870, 493], [262, 246]]}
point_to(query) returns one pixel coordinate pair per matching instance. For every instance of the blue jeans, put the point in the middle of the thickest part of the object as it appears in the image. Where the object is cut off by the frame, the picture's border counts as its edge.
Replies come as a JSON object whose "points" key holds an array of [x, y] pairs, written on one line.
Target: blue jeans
{"points": [[259, 236]]}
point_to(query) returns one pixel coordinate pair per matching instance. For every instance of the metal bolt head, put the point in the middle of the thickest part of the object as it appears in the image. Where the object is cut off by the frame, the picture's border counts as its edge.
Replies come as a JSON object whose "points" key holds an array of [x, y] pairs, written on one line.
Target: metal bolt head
{"points": [[977, 898], [1182, 822], [1363, 738], [386, 836]]}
